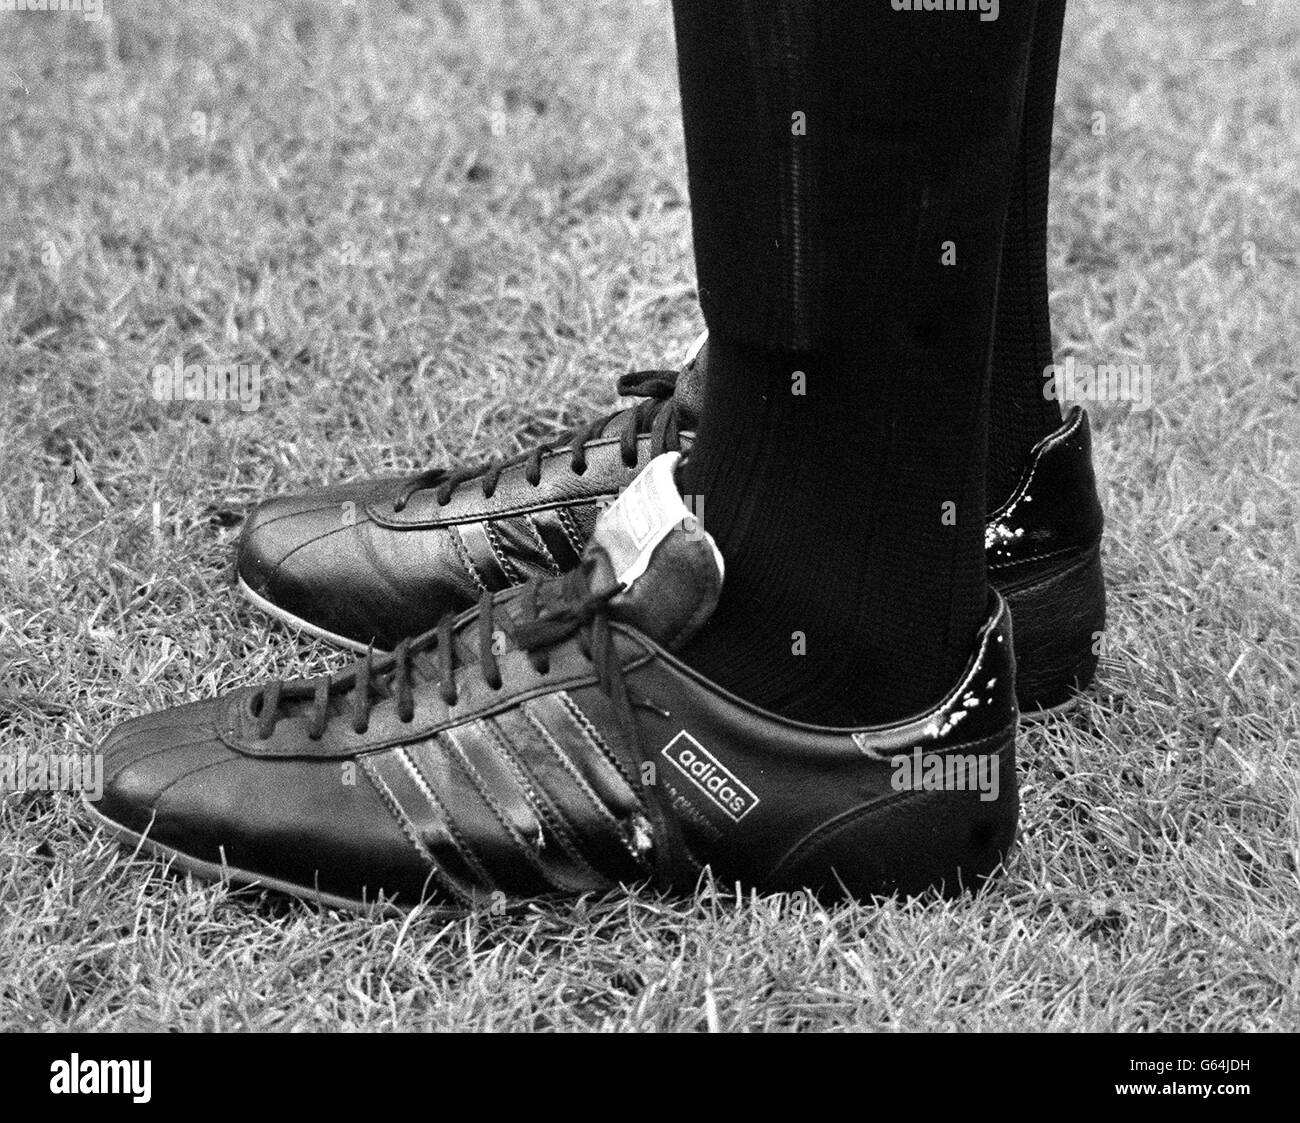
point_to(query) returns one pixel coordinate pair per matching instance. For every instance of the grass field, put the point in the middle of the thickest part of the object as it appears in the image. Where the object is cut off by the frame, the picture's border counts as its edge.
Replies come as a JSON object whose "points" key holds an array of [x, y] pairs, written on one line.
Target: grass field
{"points": [[443, 229]]}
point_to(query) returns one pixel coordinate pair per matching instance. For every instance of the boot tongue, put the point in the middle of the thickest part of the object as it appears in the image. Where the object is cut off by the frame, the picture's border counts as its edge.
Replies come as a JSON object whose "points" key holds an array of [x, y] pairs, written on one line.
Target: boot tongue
{"points": [[649, 543], [690, 383], [688, 395]]}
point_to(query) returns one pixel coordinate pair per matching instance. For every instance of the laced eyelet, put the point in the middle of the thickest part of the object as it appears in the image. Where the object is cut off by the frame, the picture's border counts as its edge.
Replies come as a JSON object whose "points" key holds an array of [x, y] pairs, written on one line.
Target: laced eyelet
{"points": [[407, 718]]}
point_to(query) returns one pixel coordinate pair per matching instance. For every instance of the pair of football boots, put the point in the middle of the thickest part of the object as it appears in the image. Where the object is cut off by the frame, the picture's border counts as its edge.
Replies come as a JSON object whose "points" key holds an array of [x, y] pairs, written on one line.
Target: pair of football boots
{"points": [[519, 724]]}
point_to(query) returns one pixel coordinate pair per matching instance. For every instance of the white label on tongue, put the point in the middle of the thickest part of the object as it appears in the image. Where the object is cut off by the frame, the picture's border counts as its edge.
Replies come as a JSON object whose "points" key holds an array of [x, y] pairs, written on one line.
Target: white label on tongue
{"points": [[649, 509]]}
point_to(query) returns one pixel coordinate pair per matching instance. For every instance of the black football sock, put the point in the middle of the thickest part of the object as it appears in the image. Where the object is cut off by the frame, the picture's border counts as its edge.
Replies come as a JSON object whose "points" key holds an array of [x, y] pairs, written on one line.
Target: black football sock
{"points": [[1019, 415], [850, 170]]}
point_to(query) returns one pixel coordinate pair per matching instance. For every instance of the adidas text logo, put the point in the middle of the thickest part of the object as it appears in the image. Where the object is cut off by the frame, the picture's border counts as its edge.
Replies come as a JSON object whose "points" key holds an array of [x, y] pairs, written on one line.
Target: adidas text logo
{"points": [[707, 773]]}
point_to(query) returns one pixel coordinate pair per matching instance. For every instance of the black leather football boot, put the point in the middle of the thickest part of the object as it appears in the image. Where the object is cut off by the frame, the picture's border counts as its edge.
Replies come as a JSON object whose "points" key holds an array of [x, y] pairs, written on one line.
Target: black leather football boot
{"points": [[380, 560], [549, 743], [1043, 550]]}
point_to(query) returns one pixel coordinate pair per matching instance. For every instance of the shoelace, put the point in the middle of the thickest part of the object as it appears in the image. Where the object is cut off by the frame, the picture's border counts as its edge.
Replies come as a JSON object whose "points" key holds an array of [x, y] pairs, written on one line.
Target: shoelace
{"points": [[657, 415], [553, 610]]}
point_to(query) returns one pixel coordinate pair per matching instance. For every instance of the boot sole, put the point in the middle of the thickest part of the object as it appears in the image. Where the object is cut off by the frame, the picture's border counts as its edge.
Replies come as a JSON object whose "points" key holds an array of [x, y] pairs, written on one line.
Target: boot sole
{"points": [[298, 623], [1057, 621]]}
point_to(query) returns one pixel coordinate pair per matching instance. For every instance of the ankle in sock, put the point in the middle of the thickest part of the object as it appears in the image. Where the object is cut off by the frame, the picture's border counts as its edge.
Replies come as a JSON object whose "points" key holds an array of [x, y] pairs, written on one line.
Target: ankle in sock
{"points": [[850, 598]]}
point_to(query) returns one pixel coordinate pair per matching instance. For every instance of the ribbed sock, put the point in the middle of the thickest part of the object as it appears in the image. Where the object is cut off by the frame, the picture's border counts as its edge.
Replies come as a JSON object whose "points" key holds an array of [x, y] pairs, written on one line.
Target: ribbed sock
{"points": [[1019, 415], [848, 262]]}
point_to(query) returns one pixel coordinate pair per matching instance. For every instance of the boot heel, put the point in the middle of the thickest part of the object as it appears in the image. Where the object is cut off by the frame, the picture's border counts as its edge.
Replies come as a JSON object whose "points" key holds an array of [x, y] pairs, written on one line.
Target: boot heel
{"points": [[1056, 623]]}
